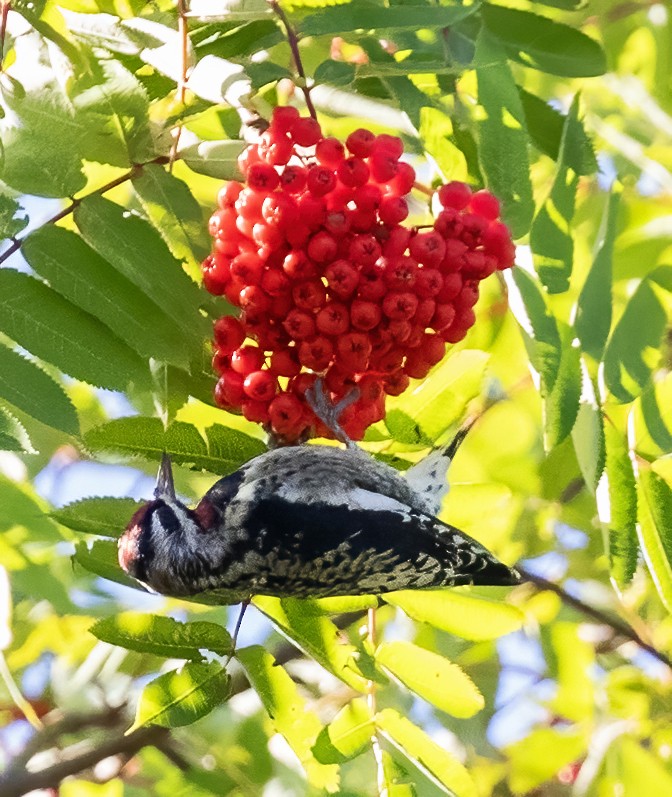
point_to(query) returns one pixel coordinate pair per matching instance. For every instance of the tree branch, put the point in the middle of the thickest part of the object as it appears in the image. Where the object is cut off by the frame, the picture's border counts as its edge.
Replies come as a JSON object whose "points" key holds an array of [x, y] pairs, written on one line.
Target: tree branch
{"points": [[134, 171], [619, 626], [293, 41]]}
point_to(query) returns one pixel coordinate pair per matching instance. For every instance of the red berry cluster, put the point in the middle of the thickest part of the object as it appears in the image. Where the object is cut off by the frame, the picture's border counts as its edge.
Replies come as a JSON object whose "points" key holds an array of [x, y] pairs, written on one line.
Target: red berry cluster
{"points": [[313, 250]]}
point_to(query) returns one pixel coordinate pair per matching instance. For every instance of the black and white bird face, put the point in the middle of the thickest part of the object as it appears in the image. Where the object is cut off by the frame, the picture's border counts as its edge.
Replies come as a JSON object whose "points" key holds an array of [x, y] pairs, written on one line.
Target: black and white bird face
{"points": [[306, 521]]}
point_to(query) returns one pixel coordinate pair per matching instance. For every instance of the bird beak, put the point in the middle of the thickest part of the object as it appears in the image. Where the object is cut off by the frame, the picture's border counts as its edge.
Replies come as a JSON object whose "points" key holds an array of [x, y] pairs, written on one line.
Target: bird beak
{"points": [[165, 487]]}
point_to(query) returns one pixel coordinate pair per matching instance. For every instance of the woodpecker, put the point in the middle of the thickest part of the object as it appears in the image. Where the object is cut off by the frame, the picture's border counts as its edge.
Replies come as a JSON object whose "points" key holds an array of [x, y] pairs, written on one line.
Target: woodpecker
{"points": [[307, 521]]}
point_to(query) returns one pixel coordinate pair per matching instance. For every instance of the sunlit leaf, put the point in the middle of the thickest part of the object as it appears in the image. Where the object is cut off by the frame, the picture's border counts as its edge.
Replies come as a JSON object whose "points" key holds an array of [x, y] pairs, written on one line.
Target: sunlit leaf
{"points": [[541, 754], [162, 636], [654, 502], [354, 16], [102, 559], [463, 615], [214, 158], [439, 681], [106, 517], [288, 713], [222, 451], [182, 696], [13, 435], [440, 765], [347, 735]]}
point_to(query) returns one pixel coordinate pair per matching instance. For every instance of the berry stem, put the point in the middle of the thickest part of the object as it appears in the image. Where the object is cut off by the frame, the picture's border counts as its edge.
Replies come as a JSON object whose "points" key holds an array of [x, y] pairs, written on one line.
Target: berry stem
{"points": [[137, 168], [425, 189], [293, 41]]}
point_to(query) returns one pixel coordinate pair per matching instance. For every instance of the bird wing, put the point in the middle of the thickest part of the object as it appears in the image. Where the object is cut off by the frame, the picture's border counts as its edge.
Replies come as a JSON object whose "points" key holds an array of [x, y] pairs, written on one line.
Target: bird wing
{"points": [[371, 544]]}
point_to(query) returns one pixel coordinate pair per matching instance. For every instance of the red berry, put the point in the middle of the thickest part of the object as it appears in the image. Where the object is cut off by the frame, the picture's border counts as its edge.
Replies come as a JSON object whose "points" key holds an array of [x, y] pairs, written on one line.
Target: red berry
{"points": [[400, 305], [371, 284], [306, 131], [293, 179], [312, 210], [254, 299], [333, 319], [275, 282], [255, 411], [485, 204], [287, 415], [390, 360], [342, 278], [455, 195], [400, 273], [275, 149], [228, 193], [428, 283], [400, 329], [396, 383], [280, 210], [316, 353], [299, 324], [428, 248], [247, 359], [453, 260], [364, 250], [260, 385], [367, 197], [309, 294], [300, 383], [229, 389], [283, 118], [322, 247], [247, 157], [360, 142], [396, 241], [337, 222], [329, 151], [297, 266], [353, 172], [320, 181], [285, 363], [249, 202], [390, 145], [353, 351], [262, 177], [247, 267], [404, 180], [383, 167], [424, 313], [393, 209], [229, 334], [215, 275], [433, 348], [443, 317], [416, 366], [364, 315]]}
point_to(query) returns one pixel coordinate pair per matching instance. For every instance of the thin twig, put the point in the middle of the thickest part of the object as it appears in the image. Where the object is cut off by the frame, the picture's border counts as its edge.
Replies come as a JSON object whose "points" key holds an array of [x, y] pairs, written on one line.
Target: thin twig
{"points": [[293, 41], [183, 31], [371, 703], [619, 626], [15, 693], [4, 13], [134, 171]]}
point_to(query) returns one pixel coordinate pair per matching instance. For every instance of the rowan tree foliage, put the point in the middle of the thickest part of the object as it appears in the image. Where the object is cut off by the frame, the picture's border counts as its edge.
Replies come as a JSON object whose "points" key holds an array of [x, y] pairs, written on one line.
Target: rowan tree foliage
{"points": [[119, 121]]}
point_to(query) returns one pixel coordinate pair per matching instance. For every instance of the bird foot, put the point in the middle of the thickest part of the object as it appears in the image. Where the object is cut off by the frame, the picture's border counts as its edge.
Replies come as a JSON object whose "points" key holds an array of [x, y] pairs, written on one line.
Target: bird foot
{"points": [[330, 413]]}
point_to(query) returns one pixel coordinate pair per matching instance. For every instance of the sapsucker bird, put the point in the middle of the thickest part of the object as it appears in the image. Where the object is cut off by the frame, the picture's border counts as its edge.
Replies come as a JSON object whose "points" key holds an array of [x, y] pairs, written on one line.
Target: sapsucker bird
{"points": [[307, 521]]}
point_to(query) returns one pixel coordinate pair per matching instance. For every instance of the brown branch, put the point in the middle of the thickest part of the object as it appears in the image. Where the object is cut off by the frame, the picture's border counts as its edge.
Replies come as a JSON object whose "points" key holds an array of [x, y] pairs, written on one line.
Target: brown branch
{"points": [[293, 41], [618, 625], [134, 171], [183, 31], [16, 781]]}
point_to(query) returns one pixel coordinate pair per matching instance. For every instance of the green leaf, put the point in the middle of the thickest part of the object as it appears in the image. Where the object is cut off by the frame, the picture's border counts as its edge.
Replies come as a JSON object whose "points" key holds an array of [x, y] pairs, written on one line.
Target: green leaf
{"points": [[52, 328], [594, 306], [102, 559], [462, 615], [396, 779], [175, 213], [31, 390], [133, 247], [315, 635], [335, 73], [10, 223], [404, 429], [439, 681], [552, 355], [574, 699], [654, 502], [543, 44], [640, 771], [502, 135], [546, 125], [23, 509], [163, 636], [260, 34], [80, 275], [347, 735], [442, 767], [13, 435], [183, 696], [633, 350], [217, 159], [338, 20], [106, 517], [116, 109], [340, 604], [550, 235], [588, 440], [221, 451], [438, 403], [541, 754], [288, 712], [653, 419]]}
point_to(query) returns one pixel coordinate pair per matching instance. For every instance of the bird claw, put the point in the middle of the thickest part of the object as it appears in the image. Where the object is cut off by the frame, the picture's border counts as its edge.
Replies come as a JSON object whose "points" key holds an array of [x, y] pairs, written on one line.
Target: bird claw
{"points": [[330, 413]]}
